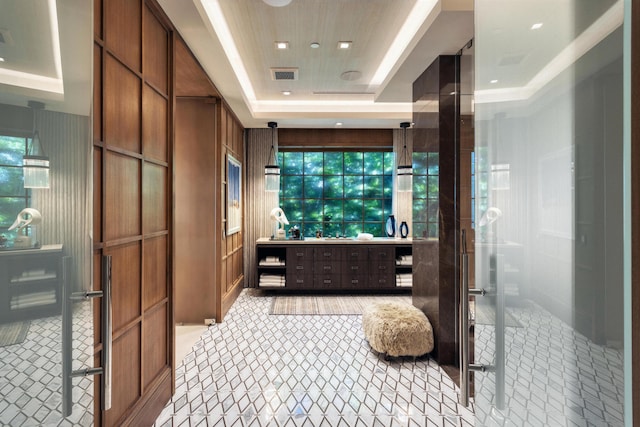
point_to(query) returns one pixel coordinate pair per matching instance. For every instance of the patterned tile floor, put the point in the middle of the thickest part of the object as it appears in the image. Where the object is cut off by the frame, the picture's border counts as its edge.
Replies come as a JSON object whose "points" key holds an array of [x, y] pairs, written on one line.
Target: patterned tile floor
{"points": [[553, 375], [31, 372], [257, 369]]}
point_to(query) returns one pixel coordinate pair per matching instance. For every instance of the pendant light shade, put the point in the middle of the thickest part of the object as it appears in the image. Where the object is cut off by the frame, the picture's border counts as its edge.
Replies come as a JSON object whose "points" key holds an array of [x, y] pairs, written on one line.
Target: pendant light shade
{"points": [[35, 164], [404, 172], [272, 170]]}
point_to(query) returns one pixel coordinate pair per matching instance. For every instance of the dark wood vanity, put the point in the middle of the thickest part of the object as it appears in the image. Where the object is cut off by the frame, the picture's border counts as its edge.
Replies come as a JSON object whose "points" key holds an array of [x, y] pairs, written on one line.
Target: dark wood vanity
{"points": [[334, 264]]}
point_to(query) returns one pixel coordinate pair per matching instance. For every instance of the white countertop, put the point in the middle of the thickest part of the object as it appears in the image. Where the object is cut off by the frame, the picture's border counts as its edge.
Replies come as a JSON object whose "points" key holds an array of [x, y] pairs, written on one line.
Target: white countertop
{"points": [[336, 241]]}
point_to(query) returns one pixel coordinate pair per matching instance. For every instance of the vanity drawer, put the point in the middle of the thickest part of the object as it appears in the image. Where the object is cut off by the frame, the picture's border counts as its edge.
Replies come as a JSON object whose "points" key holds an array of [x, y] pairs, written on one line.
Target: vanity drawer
{"points": [[328, 254]]}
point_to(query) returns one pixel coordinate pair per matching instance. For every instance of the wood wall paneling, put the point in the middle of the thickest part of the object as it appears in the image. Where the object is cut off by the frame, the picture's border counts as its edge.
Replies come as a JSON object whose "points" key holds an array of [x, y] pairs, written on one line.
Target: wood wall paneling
{"points": [[132, 196], [97, 21], [191, 80], [155, 52], [155, 345], [338, 138], [122, 106], [126, 357], [123, 33], [155, 271], [125, 276], [154, 197], [195, 202], [122, 196], [154, 124]]}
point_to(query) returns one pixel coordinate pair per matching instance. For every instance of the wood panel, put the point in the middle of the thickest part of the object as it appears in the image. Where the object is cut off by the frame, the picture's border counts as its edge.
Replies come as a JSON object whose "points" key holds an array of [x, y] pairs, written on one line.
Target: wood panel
{"points": [[155, 271], [132, 199], [97, 22], [155, 344], [154, 124], [123, 33], [191, 79], [195, 250], [122, 106], [97, 93], [125, 376], [337, 138], [156, 52], [125, 278], [154, 197], [122, 196]]}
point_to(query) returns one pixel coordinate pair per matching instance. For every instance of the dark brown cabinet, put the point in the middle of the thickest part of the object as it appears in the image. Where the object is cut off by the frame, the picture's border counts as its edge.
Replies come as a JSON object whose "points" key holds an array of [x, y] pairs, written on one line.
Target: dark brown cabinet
{"points": [[354, 266], [30, 283]]}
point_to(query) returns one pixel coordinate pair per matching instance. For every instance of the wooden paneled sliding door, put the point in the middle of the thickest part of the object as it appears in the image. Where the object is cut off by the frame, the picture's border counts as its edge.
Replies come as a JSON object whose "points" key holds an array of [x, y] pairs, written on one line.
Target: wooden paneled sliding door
{"points": [[132, 203]]}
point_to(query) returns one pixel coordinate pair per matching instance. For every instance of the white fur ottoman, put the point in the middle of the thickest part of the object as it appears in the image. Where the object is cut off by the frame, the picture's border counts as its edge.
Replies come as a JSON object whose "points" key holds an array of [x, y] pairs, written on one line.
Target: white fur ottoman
{"points": [[397, 329]]}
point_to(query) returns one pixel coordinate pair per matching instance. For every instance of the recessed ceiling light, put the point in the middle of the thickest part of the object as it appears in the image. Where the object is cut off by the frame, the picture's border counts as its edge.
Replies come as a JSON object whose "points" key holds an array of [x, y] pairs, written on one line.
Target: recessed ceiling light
{"points": [[344, 45], [536, 26], [339, 124], [314, 45], [286, 92], [282, 45], [494, 81], [1, 59]]}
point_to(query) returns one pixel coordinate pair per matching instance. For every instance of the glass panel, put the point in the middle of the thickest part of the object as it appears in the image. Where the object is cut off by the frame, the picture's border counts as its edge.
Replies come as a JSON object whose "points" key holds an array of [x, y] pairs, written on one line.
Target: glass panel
{"points": [[12, 150], [292, 163], [387, 182], [313, 163], [373, 210], [352, 229], [388, 163], [433, 164], [333, 163], [353, 186], [353, 209], [353, 163], [313, 210], [373, 163], [291, 186], [313, 186], [420, 163], [333, 187], [49, 255], [549, 234], [372, 186], [333, 210]]}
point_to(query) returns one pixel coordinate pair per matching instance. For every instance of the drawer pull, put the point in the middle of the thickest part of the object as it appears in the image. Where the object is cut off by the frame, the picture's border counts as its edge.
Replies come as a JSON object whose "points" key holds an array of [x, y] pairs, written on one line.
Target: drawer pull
{"points": [[327, 254], [354, 254], [355, 281], [354, 267], [382, 267], [299, 281], [299, 267], [327, 267], [327, 281], [299, 254]]}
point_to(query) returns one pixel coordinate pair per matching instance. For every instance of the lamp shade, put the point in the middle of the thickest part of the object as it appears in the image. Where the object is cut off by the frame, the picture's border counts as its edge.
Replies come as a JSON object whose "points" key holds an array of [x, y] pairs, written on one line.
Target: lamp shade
{"points": [[404, 172], [35, 166], [405, 178], [272, 178], [272, 170]]}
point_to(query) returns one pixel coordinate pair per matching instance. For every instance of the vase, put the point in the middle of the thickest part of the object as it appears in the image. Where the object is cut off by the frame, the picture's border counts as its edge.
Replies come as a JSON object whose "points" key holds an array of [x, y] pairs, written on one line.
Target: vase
{"points": [[390, 227], [404, 229]]}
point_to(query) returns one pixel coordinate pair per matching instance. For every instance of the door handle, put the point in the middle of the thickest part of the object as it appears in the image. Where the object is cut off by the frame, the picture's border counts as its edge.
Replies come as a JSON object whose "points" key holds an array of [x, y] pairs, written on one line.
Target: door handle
{"points": [[67, 337], [465, 366]]}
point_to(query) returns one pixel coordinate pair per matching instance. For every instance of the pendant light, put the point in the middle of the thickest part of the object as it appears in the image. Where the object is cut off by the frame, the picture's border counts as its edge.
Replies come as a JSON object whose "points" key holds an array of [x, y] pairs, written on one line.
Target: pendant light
{"points": [[272, 170], [35, 165], [405, 170]]}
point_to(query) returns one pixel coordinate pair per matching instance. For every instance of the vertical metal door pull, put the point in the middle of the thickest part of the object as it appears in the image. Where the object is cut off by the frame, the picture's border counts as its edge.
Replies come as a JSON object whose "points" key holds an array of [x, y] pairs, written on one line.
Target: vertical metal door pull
{"points": [[67, 338]]}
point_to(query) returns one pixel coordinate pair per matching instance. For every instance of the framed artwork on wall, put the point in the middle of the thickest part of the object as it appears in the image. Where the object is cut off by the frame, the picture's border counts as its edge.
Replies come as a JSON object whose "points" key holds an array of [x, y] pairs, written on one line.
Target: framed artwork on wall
{"points": [[234, 195]]}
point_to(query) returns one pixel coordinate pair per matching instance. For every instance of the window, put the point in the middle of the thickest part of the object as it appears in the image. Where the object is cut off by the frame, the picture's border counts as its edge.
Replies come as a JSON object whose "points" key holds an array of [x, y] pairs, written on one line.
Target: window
{"points": [[13, 196], [425, 194], [337, 193]]}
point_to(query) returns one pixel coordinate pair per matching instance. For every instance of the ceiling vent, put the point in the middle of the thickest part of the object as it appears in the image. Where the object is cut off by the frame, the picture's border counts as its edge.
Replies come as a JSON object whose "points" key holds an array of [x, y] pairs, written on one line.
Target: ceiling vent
{"points": [[284, 74], [5, 37]]}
